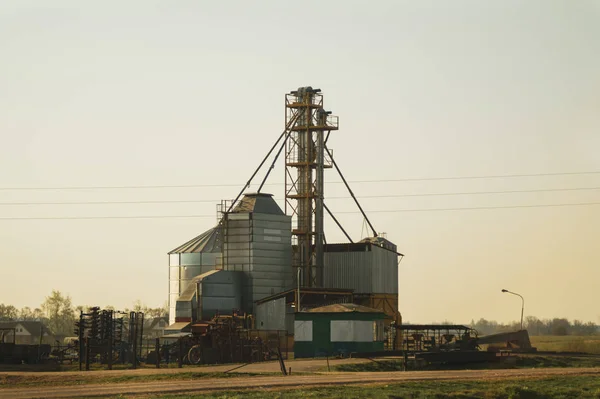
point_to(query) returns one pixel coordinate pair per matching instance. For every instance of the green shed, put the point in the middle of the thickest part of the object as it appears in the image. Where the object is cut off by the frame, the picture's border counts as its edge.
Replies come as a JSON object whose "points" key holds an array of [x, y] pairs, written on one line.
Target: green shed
{"points": [[338, 329]]}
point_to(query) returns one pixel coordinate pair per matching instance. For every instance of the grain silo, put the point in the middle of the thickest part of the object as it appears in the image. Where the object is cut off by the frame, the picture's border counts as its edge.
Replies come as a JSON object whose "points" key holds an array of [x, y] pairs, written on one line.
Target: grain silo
{"points": [[253, 239], [197, 256], [257, 242], [280, 258]]}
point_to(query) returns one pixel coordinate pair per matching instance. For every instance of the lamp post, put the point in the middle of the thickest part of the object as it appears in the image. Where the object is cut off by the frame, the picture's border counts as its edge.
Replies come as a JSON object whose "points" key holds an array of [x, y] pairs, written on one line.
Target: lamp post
{"points": [[522, 304]]}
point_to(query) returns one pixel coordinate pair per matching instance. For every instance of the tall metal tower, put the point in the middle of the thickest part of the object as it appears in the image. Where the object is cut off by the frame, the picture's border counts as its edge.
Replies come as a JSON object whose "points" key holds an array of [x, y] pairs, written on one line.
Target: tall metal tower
{"points": [[305, 160]]}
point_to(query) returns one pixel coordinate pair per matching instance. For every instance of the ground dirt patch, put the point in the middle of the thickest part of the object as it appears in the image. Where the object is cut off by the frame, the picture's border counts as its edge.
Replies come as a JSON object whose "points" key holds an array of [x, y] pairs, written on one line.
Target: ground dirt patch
{"points": [[59, 379]]}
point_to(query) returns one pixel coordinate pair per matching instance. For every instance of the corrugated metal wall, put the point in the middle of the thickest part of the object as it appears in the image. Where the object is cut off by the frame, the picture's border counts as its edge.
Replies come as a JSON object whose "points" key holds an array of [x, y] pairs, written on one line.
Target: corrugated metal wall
{"points": [[350, 270], [220, 291], [374, 271], [260, 246], [270, 315], [221, 295], [182, 268], [385, 271]]}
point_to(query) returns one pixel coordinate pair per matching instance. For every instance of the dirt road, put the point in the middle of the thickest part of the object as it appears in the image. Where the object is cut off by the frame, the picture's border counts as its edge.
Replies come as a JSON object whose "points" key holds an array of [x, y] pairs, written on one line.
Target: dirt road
{"points": [[302, 365], [282, 382]]}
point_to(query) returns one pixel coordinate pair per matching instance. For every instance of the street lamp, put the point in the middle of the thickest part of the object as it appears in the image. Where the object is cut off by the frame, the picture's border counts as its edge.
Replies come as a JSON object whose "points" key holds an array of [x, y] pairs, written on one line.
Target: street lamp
{"points": [[522, 304]]}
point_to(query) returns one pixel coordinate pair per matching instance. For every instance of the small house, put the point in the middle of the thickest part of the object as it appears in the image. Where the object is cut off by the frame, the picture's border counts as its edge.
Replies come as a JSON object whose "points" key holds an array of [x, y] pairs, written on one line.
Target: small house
{"points": [[338, 329], [25, 332], [155, 327]]}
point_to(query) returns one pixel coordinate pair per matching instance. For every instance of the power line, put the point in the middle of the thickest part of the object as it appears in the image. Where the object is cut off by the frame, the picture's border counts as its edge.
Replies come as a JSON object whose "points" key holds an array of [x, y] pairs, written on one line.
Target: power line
{"points": [[109, 202], [329, 198], [120, 187], [482, 208], [272, 184], [477, 192], [109, 217], [475, 177], [342, 212]]}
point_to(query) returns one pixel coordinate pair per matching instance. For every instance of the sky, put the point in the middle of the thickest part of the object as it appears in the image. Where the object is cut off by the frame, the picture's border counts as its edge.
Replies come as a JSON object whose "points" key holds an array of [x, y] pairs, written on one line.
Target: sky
{"points": [[161, 93]]}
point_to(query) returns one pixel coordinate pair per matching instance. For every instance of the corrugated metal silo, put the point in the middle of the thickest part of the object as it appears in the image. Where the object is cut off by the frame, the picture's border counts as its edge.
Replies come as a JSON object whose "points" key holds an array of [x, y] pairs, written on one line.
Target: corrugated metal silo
{"points": [[197, 256], [257, 242]]}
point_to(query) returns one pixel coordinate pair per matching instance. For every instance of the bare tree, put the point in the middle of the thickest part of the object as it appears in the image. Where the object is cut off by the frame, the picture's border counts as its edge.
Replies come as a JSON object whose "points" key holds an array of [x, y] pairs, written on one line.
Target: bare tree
{"points": [[8, 312], [149, 312], [27, 314], [59, 311]]}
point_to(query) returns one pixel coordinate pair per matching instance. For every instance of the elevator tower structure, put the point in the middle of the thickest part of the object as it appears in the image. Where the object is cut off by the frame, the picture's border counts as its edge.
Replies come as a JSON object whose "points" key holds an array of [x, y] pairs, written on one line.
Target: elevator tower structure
{"points": [[306, 158]]}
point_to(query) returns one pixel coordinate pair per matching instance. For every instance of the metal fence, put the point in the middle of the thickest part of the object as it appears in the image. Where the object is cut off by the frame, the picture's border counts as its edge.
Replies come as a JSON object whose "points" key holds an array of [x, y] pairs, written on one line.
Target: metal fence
{"points": [[241, 346]]}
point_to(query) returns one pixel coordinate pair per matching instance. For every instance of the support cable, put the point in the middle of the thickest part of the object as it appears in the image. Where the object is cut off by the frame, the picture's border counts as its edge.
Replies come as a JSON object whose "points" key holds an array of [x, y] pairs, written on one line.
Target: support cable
{"points": [[284, 133], [275, 160], [338, 223], [350, 191]]}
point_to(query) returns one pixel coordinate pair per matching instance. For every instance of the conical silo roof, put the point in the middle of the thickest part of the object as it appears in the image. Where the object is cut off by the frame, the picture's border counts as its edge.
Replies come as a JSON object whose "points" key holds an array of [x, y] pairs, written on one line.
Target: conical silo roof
{"points": [[209, 241], [258, 203]]}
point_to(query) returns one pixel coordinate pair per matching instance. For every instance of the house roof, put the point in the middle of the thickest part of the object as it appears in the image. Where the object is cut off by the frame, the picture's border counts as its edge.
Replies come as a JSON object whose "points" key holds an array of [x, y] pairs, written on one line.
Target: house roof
{"points": [[32, 327], [344, 308], [155, 320]]}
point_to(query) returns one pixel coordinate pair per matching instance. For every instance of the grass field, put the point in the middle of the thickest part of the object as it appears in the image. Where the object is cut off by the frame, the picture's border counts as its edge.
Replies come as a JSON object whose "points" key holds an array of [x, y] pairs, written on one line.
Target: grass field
{"points": [[567, 343], [525, 361], [558, 387]]}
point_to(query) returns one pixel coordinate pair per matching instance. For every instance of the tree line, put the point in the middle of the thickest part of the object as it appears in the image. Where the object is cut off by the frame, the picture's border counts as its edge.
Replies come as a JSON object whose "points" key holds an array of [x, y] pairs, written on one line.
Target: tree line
{"points": [[58, 313], [535, 326]]}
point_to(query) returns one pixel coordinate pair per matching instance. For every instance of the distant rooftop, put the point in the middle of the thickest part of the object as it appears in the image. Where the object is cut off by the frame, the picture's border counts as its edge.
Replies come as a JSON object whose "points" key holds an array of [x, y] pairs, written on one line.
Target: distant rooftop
{"points": [[33, 327]]}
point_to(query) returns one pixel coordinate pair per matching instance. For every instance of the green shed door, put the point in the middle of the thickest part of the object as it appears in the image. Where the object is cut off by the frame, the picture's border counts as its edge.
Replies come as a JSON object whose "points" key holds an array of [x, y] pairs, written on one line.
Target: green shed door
{"points": [[321, 333]]}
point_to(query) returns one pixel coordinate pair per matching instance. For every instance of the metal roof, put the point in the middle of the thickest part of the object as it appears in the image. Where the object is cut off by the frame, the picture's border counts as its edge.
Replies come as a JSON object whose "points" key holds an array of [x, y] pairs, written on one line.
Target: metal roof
{"points": [[209, 241], [176, 335], [178, 326], [306, 291], [190, 291], [258, 203], [344, 308], [381, 242], [433, 327], [363, 245]]}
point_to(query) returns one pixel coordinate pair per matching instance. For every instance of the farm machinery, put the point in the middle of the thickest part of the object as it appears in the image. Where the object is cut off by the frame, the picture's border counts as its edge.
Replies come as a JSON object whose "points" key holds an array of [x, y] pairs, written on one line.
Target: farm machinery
{"points": [[223, 339]]}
